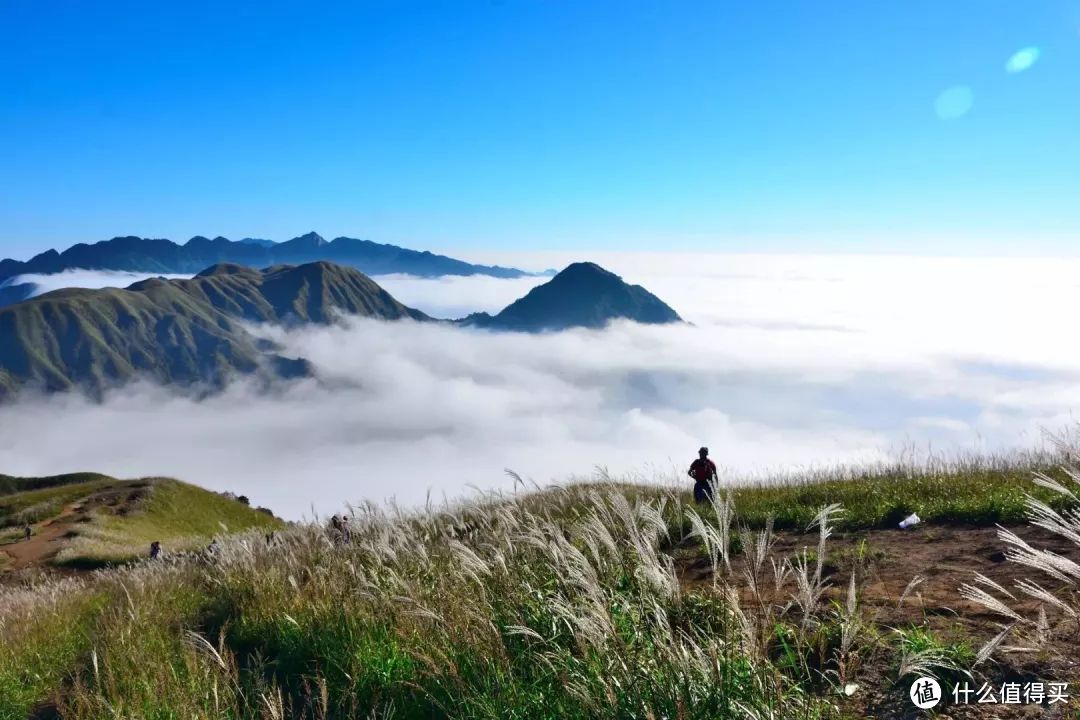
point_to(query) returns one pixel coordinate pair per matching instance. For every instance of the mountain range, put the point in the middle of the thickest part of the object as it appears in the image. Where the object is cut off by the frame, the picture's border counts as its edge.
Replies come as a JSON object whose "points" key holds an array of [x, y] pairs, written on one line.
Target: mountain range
{"points": [[194, 332], [145, 255]]}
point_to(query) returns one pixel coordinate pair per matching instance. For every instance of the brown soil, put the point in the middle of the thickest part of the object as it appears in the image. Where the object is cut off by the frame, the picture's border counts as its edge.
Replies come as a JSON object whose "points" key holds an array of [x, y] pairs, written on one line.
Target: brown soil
{"points": [[50, 536], [947, 557]]}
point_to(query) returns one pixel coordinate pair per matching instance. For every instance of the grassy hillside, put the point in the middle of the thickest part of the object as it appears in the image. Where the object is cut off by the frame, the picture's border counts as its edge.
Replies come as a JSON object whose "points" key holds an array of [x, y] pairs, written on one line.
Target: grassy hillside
{"points": [[980, 491], [43, 497], [88, 520], [595, 600], [315, 292], [176, 331], [96, 338], [181, 516], [10, 484]]}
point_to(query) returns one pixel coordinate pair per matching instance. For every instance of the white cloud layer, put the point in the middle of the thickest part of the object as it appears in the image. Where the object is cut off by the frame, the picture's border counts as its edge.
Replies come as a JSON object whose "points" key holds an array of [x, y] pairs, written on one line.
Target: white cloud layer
{"points": [[457, 296], [791, 362], [44, 283]]}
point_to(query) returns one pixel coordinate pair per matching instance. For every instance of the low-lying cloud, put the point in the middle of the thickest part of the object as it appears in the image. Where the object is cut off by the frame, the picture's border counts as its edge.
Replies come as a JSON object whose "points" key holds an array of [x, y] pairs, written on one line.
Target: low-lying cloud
{"points": [[790, 362], [455, 296], [42, 283]]}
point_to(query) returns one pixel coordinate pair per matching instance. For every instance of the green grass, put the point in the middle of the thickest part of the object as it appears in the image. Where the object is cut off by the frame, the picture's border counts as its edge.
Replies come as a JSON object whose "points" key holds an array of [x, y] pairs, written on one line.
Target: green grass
{"points": [[181, 516], [478, 612], [46, 633], [10, 485], [561, 603], [975, 492], [952, 659], [20, 508], [49, 633]]}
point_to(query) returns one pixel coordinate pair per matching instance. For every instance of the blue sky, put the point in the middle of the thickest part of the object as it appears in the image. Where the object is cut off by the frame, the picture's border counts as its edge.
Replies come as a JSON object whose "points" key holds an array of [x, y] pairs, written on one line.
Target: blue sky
{"points": [[727, 126]]}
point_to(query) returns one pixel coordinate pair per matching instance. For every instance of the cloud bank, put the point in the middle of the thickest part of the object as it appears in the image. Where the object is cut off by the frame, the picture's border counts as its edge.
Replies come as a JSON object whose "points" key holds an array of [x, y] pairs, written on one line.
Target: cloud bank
{"points": [[790, 362], [43, 283]]}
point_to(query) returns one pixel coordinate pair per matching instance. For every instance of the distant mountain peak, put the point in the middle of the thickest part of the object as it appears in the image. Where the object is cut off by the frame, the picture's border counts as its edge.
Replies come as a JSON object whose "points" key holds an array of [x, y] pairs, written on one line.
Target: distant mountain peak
{"points": [[316, 268], [49, 254], [582, 295], [312, 239], [585, 272], [227, 269], [142, 285], [582, 267]]}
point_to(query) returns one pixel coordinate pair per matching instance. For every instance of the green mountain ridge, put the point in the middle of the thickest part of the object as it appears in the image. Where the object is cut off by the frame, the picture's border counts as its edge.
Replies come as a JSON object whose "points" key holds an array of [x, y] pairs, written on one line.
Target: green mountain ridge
{"points": [[185, 332], [193, 332]]}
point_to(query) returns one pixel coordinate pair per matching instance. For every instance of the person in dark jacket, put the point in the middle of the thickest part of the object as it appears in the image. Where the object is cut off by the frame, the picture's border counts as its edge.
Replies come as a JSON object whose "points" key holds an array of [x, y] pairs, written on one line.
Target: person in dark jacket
{"points": [[703, 470]]}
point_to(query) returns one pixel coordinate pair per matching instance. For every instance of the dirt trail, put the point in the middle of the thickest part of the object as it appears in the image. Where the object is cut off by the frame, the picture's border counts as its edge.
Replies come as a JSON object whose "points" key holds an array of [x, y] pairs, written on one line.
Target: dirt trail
{"points": [[44, 543], [49, 536], [947, 556]]}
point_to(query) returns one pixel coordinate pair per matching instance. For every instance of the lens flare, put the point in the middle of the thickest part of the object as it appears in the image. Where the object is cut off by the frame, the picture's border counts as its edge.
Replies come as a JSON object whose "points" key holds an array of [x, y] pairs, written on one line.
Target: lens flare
{"points": [[1021, 60], [954, 102]]}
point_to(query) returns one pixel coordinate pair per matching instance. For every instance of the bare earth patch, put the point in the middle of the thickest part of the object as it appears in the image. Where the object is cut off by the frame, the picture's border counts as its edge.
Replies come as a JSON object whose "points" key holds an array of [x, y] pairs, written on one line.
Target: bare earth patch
{"points": [[51, 535], [947, 556]]}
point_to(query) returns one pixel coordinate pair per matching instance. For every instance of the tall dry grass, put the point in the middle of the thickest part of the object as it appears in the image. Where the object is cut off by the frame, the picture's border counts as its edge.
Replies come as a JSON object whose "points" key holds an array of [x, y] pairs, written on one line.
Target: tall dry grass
{"points": [[1055, 584], [559, 604]]}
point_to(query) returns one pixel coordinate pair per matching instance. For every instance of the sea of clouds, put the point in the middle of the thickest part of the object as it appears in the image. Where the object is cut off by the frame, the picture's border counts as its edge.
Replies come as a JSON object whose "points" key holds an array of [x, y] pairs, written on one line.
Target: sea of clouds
{"points": [[790, 362], [43, 283]]}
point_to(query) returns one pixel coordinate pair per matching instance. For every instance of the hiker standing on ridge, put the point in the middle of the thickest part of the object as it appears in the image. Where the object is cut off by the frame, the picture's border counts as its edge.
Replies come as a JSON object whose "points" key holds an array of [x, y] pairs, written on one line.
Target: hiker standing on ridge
{"points": [[28, 531], [703, 470]]}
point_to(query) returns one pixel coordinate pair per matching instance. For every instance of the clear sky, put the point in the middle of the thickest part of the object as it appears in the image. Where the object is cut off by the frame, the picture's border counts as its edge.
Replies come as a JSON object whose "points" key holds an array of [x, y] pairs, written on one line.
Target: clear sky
{"points": [[732, 126]]}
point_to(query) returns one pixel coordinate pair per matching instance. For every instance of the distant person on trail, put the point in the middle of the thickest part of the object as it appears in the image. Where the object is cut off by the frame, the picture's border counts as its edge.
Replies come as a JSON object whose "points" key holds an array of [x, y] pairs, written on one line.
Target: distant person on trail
{"points": [[155, 550], [703, 470], [28, 531]]}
